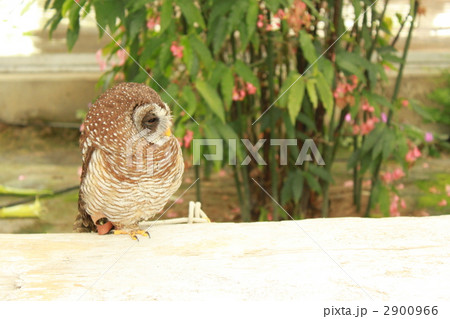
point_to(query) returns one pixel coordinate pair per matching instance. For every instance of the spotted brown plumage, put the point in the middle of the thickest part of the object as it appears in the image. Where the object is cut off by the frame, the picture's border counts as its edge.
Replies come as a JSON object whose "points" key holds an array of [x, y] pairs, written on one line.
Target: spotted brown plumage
{"points": [[131, 162]]}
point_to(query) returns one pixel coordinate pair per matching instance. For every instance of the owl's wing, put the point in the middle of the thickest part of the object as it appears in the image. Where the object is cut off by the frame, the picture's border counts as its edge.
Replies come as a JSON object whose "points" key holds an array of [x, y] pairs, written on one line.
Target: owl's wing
{"points": [[83, 221]]}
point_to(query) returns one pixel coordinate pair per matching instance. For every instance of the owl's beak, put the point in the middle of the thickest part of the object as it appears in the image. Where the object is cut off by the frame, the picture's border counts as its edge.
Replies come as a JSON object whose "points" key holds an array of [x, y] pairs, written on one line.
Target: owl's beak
{"points": [[168, 132]]}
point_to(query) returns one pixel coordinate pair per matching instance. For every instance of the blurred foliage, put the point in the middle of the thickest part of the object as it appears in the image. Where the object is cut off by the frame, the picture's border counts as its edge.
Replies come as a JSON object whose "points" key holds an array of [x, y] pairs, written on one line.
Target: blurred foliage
{"points": [[275, 69]]}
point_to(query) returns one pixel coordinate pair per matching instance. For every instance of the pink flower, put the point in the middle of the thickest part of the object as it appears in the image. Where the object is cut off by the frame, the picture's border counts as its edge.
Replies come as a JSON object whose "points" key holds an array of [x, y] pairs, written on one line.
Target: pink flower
{"points": [[366, 107], [100, 61], [412, 155], [153, 22], [397, 174], [447, 190], [367, 127], [354, 84], [260, 22], [367, 183], [348, 183], [400, 186], [348, 117], [387, 177], [238, 95], [393, 209], [21, 177], [403, 204], [425, 165], [280, 14], [222, 173], [428, 137], [179, 201], [251, 89], [384, 117], [356, 129], [122, 55], [442, 203], [405, 103], [188, 137], [177, 50]]}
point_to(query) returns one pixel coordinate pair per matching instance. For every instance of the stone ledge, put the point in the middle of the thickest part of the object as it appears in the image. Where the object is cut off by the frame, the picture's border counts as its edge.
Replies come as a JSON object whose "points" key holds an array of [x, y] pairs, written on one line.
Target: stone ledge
{"points": [[389, 259]]}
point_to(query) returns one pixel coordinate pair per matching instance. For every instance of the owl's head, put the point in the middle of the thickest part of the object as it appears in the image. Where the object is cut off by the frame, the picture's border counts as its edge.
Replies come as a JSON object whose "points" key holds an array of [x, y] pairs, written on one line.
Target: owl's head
{"points": [[128, 113], [153, 122]]}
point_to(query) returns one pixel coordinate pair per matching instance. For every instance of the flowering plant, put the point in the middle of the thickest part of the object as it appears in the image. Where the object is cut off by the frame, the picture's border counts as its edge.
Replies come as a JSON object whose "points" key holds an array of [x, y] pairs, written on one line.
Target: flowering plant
{"points": [[278, 69]]}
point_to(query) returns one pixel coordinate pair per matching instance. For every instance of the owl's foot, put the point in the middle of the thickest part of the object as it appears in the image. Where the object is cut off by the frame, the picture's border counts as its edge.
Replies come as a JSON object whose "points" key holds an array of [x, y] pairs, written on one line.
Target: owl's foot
{"points": [[132, 233]]}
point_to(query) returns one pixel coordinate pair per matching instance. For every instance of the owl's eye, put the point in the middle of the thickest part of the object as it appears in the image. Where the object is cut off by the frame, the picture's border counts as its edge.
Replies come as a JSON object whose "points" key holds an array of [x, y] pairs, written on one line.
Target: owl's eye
{"points": [[150, 120]]}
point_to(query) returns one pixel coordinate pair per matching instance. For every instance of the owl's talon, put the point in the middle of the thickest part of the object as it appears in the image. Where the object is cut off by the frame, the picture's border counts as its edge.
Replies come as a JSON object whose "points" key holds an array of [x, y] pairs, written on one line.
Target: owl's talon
{"points": [[132, 233]]}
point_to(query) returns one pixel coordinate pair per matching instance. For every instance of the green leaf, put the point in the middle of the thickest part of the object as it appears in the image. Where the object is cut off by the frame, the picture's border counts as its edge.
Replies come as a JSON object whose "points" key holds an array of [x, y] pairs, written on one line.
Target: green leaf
{"points": [[388, 144], [305, 119], [353, 160], [73, 29], [273, 5], [310, 87], [297, 185], [378, 148], [135, 21], [246, 73], [384, 201], [219, 9], [296, 94], [284, 91], [327, 69], [324, 92], [308, 49], [346, 63], [166, 15], [212, 98], [218, 34], [251, 19], [321, 172], [357, 7], [286, 190], [217, 71], [190, 99], [226, 87], [228, 133], [191, 12], [106, 12], [201, 49], [312, 182], [372, 138]]}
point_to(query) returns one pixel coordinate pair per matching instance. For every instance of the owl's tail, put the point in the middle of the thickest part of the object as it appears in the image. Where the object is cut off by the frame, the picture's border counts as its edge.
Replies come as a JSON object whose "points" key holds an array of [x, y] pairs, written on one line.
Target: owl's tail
{"points": [[83, 225]]}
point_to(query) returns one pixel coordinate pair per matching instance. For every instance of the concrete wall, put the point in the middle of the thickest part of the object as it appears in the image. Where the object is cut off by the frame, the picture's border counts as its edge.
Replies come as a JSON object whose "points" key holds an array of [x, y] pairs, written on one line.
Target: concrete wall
{"points": [[53, 97]]}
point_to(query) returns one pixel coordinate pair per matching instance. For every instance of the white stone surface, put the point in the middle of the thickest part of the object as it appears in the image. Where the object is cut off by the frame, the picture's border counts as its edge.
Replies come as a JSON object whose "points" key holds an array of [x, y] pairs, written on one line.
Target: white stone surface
{"points": [[342, 259]]}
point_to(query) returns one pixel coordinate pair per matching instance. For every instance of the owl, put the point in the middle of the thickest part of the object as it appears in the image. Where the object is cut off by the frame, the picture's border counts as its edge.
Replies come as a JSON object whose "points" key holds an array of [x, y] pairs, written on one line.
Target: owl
{"points": [[132, 164]]}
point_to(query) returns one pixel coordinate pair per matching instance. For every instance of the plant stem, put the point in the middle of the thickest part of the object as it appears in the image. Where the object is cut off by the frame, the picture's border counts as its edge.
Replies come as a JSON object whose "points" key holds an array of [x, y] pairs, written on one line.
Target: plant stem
{"points": [[272, 160], [375, 175], [197, 186]]}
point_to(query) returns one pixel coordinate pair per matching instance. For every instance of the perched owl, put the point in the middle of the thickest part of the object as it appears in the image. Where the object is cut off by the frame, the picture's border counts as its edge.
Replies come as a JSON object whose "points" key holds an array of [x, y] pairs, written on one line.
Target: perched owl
{"points": [[132, 163]]}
